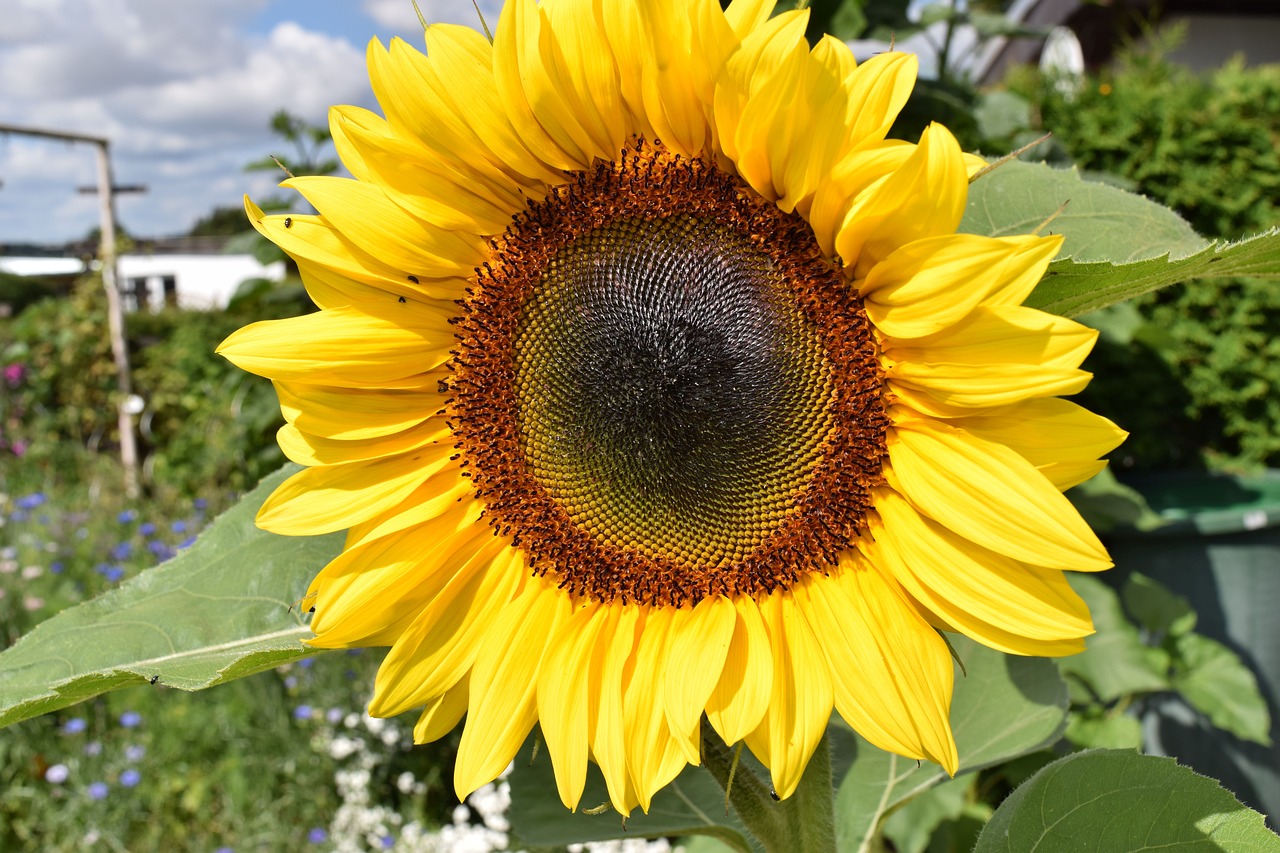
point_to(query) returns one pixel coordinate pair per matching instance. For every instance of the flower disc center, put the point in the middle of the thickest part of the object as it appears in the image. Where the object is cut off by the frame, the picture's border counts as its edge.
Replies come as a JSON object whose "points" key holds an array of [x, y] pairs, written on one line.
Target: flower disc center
{"points": [[663, 390], [672, 396]]}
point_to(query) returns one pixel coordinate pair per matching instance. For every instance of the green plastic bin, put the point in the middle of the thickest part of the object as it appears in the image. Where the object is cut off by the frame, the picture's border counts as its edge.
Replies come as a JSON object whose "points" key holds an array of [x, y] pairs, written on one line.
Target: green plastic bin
{"points": [[1221, 551]]}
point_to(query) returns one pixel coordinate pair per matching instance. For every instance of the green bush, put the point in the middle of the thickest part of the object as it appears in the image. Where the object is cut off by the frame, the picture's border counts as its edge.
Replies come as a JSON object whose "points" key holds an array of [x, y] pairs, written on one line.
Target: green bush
{"points": [[206, 427], [1204, 363]]}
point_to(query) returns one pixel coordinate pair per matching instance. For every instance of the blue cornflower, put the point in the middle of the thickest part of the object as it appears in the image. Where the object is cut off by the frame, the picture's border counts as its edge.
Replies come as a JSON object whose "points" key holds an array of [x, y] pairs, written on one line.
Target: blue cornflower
{"points": [[57, 567], [130, 777], [302, 712], [317, 835], [122, 551], [98, 790], [74, 726], [134, 753], [30, 501], [130, 719], [200, 503], [146, 528], [178, 526], [128, 516], [114, 573], [186, 543]]}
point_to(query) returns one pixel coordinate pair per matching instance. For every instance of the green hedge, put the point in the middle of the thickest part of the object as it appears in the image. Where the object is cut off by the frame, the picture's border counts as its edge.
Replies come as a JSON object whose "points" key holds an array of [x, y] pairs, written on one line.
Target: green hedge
{"points": [[1195, 381], [206, 426]]}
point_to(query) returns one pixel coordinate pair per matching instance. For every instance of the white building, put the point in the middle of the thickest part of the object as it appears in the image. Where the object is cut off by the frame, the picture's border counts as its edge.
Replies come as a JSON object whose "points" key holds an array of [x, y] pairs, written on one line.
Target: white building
{"points": [[189, 274]]}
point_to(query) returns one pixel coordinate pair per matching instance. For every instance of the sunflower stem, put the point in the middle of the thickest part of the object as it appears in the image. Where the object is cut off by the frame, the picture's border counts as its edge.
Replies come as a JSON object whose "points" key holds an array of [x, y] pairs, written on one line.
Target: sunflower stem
{"points": [[803, 821]]}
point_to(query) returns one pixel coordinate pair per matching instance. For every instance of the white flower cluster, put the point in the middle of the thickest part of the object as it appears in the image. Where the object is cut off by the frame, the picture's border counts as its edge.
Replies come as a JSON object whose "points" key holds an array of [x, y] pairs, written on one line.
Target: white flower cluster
{"points": [[360, 825]]}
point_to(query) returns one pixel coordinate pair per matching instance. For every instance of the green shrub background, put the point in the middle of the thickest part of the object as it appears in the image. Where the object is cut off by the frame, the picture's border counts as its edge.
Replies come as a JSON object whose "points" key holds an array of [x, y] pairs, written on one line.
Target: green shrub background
{"points": [[1193, 373]]}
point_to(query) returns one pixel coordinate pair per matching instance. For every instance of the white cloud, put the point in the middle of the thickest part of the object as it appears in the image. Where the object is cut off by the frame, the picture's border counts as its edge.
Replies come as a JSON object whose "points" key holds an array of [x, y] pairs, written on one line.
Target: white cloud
{"points": [[400, 19], [182, 91]]}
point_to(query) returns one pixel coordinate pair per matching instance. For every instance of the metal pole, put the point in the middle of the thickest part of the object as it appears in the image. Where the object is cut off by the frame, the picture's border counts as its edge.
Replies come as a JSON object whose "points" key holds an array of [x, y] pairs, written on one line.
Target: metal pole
{"points": [[115, 321]]}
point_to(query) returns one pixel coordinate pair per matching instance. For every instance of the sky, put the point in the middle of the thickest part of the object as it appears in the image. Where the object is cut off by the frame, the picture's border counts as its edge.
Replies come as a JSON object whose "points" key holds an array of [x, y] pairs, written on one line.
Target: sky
{"points": [[183, 89]]}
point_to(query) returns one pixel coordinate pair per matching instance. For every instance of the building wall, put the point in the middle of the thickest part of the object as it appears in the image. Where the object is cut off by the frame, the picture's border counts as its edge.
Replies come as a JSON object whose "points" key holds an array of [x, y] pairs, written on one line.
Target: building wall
{"points": [[201, 282]]}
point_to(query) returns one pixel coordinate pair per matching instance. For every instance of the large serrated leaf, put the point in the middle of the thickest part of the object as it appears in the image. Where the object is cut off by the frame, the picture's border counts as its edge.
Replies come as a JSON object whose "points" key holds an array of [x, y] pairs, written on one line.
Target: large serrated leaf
{"points": [[1104, 801], [1005, 707], [1117, 245], [220, 610], [1071, 288], [1098, 222]]}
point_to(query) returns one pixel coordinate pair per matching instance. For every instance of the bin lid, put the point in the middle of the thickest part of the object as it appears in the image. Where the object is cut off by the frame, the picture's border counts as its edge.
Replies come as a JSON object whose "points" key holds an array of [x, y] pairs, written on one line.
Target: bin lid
{"points": [[1209, 504]]}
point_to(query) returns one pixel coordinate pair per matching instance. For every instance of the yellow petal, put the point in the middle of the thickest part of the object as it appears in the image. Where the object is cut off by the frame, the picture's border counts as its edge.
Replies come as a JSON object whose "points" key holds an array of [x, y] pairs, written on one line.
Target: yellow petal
{"points": [[742, 694], [1006, 604], [989, 494], [355, 413], [330, 289], [892, 673], [878, 90], [439, 647], [1001, 335], [699, 644], [504, 678], [747, 73], [420, 181], [529, 71], [564, 699], [771, 119], [313, 239], [579, 28], [858, 171], [801, 700], [953, 390], [335, 497], [442, 714], [364, 214], [308, 449], [345, 347], [434, 496], [1047, 432], [930, 285], [924, 198], [1064, 475], [653, 756], [606, 729], [372, 592], [668, 98], [449, 102]]}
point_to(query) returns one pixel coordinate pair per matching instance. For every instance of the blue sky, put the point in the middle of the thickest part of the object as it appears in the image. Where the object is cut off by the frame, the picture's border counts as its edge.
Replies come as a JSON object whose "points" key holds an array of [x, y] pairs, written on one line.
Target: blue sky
{"points": [[184, 90]]}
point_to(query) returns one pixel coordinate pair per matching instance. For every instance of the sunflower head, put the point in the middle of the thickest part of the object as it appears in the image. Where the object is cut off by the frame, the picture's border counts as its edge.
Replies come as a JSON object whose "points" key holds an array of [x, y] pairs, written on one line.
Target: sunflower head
{"points": [[653, 382]]}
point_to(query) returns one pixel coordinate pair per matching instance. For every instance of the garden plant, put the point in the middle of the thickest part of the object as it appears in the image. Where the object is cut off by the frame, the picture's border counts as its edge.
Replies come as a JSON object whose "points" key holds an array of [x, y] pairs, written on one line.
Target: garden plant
{"points": [[697, 449]]}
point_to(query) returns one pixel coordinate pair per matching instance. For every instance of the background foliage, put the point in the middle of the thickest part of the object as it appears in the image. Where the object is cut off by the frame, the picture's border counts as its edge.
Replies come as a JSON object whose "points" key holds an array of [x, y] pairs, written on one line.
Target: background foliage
{"points": [[1206, 354]]}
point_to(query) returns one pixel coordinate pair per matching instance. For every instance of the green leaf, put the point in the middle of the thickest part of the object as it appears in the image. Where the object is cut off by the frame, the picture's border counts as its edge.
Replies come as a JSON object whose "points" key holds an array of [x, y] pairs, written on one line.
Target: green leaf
{"points": [[911, 825], [1156, 608], [1118, 245], [1071, 287], [693, 804], [1115, 662], [1104, 801], [1005, 707], [220, 610], [1215, 682], [1099, 222], [1095, 726]]}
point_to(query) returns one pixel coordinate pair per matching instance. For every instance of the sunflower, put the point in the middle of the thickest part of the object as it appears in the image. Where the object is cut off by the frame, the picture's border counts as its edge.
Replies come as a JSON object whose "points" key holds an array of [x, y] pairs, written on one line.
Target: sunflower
{"points": [[653, 382]]}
